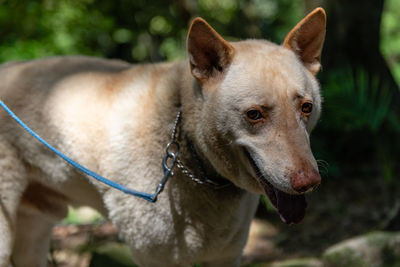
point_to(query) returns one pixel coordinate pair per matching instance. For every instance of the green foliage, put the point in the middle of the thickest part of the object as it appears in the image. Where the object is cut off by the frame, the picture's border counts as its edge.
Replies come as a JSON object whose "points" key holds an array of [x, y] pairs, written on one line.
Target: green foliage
{"points": [[35, 29], [356, 102], [83, 215], [135, 31], [390, 36], [358, 126]]}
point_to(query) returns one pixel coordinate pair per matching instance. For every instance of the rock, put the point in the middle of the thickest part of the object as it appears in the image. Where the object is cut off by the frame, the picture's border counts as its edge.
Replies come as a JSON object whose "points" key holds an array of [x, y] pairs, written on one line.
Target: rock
{"points": [[301, 262], [372, 249]]}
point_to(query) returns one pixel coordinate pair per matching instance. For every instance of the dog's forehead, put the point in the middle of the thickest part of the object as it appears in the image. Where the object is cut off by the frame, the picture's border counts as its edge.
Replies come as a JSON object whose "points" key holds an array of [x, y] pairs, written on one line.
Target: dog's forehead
{"points": [[267, 71]]}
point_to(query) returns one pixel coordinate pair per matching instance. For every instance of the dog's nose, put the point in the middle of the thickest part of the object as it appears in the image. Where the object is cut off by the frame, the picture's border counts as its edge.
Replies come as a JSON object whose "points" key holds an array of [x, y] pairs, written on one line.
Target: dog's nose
{"points": [[304, 181]]}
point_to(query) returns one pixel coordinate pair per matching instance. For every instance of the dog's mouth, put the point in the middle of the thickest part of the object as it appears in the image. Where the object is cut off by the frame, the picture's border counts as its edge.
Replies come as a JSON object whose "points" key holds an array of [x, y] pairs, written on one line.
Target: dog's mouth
{"points": [[291, 208]]}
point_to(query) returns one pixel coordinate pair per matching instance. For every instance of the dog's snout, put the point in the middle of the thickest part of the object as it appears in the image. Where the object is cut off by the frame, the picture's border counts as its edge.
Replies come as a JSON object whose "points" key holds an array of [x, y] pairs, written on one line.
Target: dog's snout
{"points": [[303, 181]]}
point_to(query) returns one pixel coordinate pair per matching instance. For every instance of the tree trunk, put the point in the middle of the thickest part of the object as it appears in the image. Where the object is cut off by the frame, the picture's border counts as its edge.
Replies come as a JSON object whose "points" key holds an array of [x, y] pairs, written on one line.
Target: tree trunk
{"points": [[353, 38]]}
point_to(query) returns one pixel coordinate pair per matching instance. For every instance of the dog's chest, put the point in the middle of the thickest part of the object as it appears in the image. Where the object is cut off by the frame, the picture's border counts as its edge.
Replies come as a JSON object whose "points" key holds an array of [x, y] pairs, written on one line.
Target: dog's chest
{"points": [[187, 224]]}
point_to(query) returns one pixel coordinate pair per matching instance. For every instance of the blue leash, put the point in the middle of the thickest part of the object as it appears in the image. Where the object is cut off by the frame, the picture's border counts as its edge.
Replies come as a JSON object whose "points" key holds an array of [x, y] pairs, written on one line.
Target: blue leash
{"points": [[168, 170]]}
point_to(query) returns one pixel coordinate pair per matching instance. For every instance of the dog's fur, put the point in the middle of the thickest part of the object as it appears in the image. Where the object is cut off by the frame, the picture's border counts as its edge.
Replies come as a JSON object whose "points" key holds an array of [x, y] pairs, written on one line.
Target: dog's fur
{"points": [[116, 119]]}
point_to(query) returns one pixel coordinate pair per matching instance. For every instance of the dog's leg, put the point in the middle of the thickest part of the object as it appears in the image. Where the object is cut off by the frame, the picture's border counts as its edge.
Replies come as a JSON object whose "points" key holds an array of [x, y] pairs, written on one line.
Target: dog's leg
{"points": [[32, 240], [40, 208], [12, 185]]}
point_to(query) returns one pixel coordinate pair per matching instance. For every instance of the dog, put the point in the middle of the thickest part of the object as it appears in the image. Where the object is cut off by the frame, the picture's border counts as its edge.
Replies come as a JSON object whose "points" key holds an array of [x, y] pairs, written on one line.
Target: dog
{"points": [[240, 114]]}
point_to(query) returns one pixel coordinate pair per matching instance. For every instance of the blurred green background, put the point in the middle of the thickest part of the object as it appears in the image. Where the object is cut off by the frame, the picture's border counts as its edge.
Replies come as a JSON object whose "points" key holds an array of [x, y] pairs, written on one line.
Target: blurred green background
{"points": [[358, 137]]}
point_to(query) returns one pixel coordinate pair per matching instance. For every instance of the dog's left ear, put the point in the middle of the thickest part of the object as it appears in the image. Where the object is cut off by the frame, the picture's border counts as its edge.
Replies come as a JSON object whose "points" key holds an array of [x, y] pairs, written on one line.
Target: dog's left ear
{"points": [[209, 53], [307, 38]]}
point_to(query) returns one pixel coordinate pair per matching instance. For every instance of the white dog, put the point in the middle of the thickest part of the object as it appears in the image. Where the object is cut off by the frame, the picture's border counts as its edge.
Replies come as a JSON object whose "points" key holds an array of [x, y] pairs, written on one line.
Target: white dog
{"points": [[247, 110]]}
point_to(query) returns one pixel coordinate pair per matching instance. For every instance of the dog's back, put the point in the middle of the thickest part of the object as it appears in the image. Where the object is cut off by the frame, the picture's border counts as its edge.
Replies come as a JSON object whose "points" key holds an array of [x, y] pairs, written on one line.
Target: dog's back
{"points": [[71, 102]]}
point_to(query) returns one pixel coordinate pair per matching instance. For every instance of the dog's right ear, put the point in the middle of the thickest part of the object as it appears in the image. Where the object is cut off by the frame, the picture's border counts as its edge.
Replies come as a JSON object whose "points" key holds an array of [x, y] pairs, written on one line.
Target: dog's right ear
{"points": [[209, 53]]}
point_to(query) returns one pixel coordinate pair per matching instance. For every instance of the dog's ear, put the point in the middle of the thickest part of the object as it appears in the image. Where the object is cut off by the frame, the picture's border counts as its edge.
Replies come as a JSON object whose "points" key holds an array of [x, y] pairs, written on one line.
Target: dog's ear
{"points": [[307, 38], [209, 53]]}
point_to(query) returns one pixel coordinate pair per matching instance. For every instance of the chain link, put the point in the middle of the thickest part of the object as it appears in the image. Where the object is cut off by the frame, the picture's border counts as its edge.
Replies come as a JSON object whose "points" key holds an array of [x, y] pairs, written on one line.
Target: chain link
{"points": [[175, 161], [188, 173], [175, 129], [202, 181]]}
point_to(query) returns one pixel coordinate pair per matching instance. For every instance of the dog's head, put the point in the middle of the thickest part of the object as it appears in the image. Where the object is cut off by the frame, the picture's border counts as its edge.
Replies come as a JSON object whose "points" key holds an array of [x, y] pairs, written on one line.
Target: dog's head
{"points": [[256, 104]]}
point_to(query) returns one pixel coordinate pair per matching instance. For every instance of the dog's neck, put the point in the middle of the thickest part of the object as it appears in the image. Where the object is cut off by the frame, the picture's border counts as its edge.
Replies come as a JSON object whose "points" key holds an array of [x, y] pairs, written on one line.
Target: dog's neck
{"points": [[186, 96], [202, 172]]}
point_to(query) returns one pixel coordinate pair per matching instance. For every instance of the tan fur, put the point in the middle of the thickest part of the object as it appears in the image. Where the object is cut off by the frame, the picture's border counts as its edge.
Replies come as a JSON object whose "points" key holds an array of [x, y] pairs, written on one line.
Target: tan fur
{"points": [[116, 119]]}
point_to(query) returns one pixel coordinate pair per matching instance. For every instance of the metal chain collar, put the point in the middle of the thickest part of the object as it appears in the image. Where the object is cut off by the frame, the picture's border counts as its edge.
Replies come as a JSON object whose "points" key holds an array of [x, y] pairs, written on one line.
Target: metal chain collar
{"points": [[171, 159]]}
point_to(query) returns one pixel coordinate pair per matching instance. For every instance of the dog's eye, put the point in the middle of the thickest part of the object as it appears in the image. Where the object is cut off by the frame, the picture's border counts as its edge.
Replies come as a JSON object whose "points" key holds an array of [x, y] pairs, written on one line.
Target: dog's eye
{"points": [[306, 108], [254, 115]]}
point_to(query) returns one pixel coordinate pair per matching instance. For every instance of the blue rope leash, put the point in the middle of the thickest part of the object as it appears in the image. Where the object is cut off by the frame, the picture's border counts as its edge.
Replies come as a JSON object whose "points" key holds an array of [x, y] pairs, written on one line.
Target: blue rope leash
{"points": [[146, 196]]}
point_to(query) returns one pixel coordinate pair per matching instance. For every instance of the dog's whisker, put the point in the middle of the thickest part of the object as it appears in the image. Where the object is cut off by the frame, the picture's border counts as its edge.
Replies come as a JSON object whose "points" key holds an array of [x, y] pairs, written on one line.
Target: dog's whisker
{"points": [[323, 165]]}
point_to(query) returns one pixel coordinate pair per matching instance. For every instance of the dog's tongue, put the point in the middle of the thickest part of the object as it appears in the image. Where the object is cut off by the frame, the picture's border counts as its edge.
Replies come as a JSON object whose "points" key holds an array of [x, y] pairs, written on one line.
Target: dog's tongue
{"points": [[291, 208]]}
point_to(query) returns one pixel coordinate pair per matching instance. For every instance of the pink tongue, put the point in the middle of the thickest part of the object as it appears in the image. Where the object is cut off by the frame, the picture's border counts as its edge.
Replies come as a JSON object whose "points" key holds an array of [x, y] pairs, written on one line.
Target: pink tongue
{"points": [[292, 208]]}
